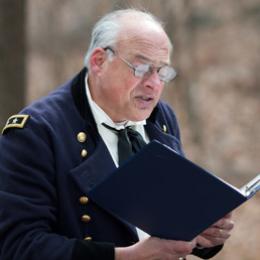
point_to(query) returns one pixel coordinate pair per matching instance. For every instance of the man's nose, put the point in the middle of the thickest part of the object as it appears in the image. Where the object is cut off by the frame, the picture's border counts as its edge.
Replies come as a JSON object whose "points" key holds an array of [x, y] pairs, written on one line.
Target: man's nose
{"points": [[153, 80]]}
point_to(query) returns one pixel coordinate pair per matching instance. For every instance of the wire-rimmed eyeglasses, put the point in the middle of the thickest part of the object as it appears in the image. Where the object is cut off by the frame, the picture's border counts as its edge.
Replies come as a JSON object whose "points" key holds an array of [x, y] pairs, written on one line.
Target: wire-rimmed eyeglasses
{"points": [[166, 73]]}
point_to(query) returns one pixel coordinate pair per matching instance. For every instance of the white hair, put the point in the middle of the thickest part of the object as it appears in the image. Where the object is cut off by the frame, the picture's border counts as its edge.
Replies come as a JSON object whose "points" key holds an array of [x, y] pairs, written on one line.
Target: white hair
{"points": [[105, 31]]}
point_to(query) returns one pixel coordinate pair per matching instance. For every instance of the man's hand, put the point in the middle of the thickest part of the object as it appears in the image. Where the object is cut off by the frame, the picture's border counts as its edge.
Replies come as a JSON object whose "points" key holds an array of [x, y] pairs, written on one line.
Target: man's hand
{"points": [[155, 248], [217, 234]]}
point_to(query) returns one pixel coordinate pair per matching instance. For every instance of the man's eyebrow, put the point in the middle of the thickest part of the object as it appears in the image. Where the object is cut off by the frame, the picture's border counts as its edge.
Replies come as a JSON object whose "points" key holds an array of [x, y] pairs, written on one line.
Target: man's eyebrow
{"points": [[146, 59]]}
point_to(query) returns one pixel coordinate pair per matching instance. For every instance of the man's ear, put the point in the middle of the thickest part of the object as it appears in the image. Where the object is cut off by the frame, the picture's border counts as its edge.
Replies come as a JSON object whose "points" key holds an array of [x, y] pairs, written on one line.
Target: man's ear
{"points": [[97, 59]]}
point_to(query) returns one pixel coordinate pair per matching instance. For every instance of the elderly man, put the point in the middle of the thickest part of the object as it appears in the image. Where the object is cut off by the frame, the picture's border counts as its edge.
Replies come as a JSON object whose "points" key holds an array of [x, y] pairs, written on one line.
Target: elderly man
{"points": [[57, 149]]}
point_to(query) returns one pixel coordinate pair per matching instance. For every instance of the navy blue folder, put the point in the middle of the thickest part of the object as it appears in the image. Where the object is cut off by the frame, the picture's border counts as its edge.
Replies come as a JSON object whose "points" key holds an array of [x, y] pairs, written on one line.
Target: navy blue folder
{"points": [[165, 194]]}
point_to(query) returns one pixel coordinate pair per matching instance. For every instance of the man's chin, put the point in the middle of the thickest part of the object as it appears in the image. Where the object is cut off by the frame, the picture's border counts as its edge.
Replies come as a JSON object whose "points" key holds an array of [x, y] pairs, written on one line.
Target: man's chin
{"points": [[141, 115]]}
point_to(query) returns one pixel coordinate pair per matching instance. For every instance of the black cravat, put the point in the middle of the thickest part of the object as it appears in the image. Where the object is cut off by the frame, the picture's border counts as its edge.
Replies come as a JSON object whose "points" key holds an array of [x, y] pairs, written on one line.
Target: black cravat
{"points": [[129, 142]]}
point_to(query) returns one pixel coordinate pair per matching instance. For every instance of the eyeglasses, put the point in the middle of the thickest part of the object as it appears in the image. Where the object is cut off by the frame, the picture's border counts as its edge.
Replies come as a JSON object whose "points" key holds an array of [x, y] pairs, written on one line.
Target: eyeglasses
{"points": [[166, 73]]}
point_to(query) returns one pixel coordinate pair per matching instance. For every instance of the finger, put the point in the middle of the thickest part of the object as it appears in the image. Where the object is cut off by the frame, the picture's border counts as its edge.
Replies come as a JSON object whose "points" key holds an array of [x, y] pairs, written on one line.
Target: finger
{"points": [[215, 241], [182, 248], [206, 241], [226, 224], [216, 233]]}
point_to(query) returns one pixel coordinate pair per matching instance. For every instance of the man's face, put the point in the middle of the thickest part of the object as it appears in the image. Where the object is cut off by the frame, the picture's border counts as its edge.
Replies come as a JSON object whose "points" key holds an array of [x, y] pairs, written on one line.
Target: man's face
{"points": [[121, 94]]}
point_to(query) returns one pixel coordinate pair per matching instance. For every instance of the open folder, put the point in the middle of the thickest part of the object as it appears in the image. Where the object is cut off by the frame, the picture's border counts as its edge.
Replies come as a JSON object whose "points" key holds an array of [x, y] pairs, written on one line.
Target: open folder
{"points": [[168, 196]]}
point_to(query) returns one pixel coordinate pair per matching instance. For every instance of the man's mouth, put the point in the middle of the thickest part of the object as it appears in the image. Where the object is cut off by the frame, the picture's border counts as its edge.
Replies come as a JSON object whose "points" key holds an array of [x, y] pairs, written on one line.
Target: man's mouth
{"points": [[145, 98], [144, 101]]}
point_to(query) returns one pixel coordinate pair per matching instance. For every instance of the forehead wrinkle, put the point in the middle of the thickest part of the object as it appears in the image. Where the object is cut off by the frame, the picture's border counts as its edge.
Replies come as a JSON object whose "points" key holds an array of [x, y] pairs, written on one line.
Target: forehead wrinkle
{"points": [[148, 41], [144, 49]]}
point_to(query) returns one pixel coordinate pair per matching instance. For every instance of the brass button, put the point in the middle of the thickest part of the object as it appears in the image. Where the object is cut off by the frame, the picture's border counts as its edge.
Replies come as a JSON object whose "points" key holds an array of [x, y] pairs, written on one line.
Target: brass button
{"points": [[84, 153], [83, 200], [164, 128], [81, 137], [88, 238], [85, 218]]}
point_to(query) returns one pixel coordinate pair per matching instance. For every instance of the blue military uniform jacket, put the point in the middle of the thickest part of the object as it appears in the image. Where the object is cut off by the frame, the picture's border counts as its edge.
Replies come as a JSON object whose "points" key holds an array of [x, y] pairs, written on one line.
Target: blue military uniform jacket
{"points": [[51, 157]]}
